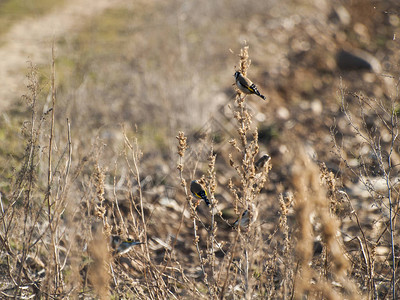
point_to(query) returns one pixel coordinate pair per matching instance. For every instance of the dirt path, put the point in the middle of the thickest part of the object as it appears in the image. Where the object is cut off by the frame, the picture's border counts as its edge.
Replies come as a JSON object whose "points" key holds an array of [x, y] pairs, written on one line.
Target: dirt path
{"points": [[30, 40]]}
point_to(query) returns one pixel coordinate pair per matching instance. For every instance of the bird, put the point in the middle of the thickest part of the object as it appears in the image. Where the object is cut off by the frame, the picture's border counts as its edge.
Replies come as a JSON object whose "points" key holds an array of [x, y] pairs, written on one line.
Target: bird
{"points": [[126, 245], [199, 192], [260, 163], [247, 218], [246, 86], [122, 246], [115, 240], [244, 220]]}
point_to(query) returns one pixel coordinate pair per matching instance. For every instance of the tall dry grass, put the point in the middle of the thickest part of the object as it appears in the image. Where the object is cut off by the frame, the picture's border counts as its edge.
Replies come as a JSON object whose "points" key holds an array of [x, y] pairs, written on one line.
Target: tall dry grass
{"points": [[65, 206]]}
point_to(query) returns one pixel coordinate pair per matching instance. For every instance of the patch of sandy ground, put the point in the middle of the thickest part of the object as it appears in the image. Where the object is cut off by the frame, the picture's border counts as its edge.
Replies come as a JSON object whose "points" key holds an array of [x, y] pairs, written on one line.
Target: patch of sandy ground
{"points": [[31, 40]]}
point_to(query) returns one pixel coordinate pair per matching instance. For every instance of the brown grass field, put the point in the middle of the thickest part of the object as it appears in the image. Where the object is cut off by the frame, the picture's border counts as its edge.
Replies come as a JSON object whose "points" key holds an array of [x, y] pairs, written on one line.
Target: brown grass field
{"points": [[111, 108]]}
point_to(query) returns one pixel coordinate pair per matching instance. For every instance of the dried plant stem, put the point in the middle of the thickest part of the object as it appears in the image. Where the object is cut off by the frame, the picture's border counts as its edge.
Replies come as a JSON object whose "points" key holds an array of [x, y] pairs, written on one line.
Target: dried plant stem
{"points": [[182, 139], [372, 137], [49, 171], [246, 273], [196, 241], [394, 134], [57, 274], [212, 186], [251, 183], [69, 161], [176, 238], [25, 183], [135, 163], [364, 249]]}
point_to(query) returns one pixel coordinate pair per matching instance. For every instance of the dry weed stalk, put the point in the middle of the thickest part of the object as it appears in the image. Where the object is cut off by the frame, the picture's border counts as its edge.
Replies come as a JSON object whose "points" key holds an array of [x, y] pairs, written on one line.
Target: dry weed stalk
{"points": [[24, 193], [33, 218], [212, 185], [98, 269], [156, 285], [250, 183], [182, 147], [289, 262], [374, 123], [313, 215], [245, 194]]}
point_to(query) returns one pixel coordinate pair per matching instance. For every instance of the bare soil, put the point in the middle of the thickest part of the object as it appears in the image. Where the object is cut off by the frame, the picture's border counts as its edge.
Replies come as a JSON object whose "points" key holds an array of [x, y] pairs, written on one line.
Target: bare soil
{"points": [[31, 40]]}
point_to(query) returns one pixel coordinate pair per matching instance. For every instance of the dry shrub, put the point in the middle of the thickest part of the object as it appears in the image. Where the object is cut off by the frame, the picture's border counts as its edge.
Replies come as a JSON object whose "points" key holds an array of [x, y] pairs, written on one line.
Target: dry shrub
{"points": [[316, 222], [98, 272], [189, 250]]}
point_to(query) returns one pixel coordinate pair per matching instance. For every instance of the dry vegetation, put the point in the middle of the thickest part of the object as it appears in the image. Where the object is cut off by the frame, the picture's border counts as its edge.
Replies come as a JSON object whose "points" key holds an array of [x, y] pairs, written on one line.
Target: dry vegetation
{"points": [[139, 102]]}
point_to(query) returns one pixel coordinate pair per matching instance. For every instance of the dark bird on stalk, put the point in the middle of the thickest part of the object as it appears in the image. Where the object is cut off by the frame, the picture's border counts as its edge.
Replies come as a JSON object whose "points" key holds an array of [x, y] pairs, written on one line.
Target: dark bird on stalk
{"points": [[246, 86], [260, 163], [198, 191]]}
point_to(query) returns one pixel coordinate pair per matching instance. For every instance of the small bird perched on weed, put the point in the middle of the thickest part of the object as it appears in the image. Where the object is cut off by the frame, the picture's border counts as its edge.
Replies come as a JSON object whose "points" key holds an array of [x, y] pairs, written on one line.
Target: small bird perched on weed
{"points": [[121, 247], [248, 217], [260, 163], [125, 246], [198, 191], [246, 86], [244, 220]]}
